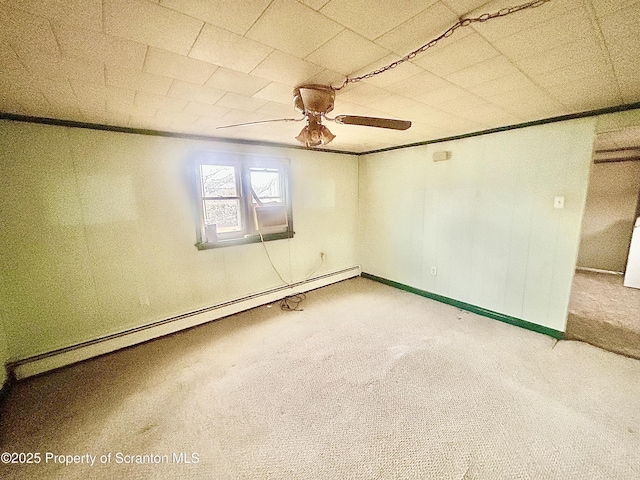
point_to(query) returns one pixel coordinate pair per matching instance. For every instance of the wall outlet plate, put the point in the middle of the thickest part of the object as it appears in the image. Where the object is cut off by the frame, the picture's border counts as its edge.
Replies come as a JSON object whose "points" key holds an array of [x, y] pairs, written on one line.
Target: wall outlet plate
{"points": [[558, 202], [434, 271]]}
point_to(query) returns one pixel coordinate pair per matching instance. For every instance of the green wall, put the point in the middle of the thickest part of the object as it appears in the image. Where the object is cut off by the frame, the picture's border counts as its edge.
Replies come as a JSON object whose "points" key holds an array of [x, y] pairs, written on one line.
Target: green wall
{"points": [[96, 223], [4, 354], [484, 218]]}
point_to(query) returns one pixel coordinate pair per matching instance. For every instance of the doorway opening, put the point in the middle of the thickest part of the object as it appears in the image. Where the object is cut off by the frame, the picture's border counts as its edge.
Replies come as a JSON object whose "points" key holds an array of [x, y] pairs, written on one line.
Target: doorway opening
{"points": [[602, 310]]}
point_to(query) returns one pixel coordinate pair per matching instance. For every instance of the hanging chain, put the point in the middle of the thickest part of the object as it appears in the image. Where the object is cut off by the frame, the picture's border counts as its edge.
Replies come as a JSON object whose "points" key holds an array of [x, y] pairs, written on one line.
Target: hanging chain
{"points": [[463, 22]]}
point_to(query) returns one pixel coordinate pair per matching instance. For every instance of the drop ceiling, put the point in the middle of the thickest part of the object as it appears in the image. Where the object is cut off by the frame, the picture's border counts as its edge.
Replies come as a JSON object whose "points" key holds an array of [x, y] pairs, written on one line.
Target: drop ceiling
{"points": [[189, 66]]}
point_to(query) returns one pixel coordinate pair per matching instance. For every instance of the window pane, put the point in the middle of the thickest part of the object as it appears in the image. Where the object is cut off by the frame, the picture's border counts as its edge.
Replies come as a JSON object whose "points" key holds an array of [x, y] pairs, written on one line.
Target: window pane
{"points": [[225, 214], [218, 181], [266, 184]]}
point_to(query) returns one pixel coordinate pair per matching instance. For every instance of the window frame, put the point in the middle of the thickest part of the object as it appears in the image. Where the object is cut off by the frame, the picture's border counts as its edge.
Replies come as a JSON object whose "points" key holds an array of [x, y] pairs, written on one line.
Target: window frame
{"points": [[242, 165]]}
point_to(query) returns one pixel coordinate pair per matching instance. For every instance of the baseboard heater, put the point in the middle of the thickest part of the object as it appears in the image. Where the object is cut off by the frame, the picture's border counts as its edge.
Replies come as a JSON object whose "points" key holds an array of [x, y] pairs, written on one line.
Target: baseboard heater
{"points": [[45, 362]]}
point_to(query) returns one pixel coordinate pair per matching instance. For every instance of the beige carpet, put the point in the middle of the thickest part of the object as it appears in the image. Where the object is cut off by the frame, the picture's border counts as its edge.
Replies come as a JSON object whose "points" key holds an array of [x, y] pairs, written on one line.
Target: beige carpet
{"points": [[605, 313], [367, 382]]}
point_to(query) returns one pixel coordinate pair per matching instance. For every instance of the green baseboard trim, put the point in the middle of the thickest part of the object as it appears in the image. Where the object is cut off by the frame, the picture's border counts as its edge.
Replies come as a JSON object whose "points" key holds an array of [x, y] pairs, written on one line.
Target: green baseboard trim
{"points": [[470, 308]]}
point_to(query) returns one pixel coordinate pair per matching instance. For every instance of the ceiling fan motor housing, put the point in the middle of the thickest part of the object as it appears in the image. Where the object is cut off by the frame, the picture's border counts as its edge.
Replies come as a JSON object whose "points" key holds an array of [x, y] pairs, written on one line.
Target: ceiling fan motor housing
{"points": [[314, 99]]}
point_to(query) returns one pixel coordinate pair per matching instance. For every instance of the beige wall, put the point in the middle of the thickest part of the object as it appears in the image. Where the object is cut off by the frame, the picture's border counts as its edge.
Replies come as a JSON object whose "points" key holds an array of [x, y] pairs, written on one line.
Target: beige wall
{"points": [[609, 216], [95, 223], [484, 218]]}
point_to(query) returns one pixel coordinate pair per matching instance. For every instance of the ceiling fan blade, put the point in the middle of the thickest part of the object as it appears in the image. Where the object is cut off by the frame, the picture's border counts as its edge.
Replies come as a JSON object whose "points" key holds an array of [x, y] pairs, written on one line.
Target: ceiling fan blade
{"points": [[261, 121], [373, 122]]}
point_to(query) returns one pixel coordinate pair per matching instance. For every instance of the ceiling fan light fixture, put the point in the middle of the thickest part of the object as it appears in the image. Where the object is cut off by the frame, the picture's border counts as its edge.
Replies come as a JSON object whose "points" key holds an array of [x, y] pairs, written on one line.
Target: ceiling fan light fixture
{"points": [[314, 133]]}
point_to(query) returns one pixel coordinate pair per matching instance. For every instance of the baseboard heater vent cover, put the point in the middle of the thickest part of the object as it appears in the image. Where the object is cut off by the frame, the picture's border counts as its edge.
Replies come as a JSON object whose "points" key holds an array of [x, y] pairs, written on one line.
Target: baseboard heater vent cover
{"points": [[52, 360]]}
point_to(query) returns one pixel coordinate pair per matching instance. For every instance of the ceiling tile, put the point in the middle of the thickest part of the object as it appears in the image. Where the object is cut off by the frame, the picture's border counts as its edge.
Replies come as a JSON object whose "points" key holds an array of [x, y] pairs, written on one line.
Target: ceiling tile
{"points": [[286, 69], [363, 94], [462, 103], [523, 20], [276, 92], [205, 110], [168, 64], [344, 107], [240, 102], [497, 86], [489, 115], [195, 93], [438, 118], [587, 94], [22, 95], [294, 28], [152, 101], [81, 13], [92, 45], [461, 53], [621, 32], [220, 47], [135, 80], [419, 30], [152, 24], [528, 102], [395, 105], [278, 110], [235, 16], [630, 89], [8, 58], [373, 19], [240, 116], [491, 69], [99, 96], [397, 74], [442, 94], [569, 27], [417, 85], [585, 50], [607, 7], [315, 4], [574, 74], [172, 118], [236, 82], [327, 77], [57, 92], [347, 52], [91, 71], [28, 34], [467, 7]]}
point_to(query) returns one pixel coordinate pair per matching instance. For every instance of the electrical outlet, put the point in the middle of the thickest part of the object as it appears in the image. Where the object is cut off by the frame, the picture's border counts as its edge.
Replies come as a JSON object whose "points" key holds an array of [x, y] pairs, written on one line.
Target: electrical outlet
{"points": [[434, 271]]}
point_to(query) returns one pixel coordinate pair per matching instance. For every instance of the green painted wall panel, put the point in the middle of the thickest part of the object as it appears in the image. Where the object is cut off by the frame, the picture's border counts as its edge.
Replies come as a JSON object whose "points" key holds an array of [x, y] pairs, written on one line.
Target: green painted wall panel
{"points": [[98, 232], [488, 223]]}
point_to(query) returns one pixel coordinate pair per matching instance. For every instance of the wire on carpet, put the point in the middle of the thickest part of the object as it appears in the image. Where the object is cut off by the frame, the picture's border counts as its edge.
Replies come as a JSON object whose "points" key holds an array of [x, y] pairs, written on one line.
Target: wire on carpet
{"points": [[290, 303]]}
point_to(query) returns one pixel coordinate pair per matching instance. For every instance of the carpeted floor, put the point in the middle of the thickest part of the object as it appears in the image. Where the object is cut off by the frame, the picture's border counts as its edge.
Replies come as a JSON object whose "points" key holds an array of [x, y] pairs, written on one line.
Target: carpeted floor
{"points": [[605, 313], [366, 382]]}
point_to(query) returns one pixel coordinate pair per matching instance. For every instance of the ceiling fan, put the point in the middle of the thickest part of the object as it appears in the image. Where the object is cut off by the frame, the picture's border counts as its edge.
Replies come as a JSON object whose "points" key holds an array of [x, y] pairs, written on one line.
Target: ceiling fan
{"points": [[315, 102]]}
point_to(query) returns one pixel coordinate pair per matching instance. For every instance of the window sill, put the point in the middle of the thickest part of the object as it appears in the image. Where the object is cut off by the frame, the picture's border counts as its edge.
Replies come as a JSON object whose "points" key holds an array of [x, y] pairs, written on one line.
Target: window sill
{"points": [[245, 240]]}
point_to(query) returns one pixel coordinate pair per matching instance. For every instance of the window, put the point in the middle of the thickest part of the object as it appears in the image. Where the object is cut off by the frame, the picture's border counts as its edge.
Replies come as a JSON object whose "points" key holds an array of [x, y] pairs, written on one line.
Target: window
{"points": [[241, 199]]}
